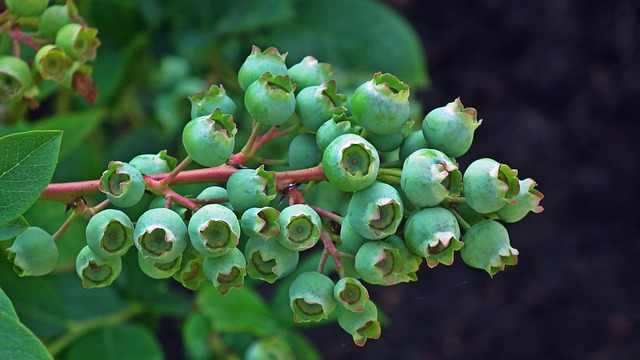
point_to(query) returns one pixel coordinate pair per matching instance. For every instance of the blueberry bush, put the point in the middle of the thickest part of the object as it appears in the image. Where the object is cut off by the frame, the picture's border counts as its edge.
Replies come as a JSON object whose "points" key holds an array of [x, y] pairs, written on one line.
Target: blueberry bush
{"points": [[191, 190]]}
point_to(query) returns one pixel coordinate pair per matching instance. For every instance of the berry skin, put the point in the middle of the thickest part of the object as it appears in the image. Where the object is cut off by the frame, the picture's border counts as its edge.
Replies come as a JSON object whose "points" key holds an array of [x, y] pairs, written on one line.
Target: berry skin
{"points": [[260, 222], [209, 140], [339, 124], [486, 247], [414, 141], [527, 200], [351, 294], [249, 188], [376, 212], [350, 163], [226, 271], [300, 227], [381, 105], [267, 260], [52, 19], [433, 233], [316, 104], [260, 62], [489, 185], [270, 100], [379, 263], [215, 192], [158, 270], [27, 8], [52, 63], [450, 128], [351, 239], [214, 230], [361, 325], [79, 42], [205, 102], [430, 177], [303, 152], [161, 235], [109, 233], [96, 272], [150, 164], [310, 72], [15, 77], [311, 297], [33, 253], [122, 183]]}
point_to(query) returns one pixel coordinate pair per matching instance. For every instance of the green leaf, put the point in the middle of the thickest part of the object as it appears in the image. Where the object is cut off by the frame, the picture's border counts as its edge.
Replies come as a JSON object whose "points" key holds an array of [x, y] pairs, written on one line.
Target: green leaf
{"points": [[6, 307], [13, 228], [27, 162], [303, 349], [123, 342], [17, 342], [250, 15], [196, 334]]}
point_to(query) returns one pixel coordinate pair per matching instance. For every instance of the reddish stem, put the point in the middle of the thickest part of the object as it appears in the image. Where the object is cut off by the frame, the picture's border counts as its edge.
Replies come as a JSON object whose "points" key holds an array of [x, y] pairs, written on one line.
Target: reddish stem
{"points": [[335, 254]]}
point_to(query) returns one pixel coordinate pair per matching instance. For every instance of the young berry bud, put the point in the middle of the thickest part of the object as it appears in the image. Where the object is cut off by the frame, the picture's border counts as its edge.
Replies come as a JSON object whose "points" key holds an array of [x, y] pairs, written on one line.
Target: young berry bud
{"points": [[303, 152], [450, 128], [268, 260], [52, 19], [109, 233], [161, 235], [96, 272], [158, 270], [379, 263], [350, 163], [486, 247], [299, 227], [527, 200], [79, 42], [381, 105], [310, 72], [214, 230], [191, 272], [27, 8], [316, 104], [33, 253], [430, 177], [311, 297], [361, 325], [339, 124], [205, 102], [433, 233], [351, 294], [15, 77], [249, 188], [209, 140], [150, 164], [260, 62], [260, 222], [270, 100], [52, 63], [489, 185], [122, 183], [226, 271], [376, 212]]}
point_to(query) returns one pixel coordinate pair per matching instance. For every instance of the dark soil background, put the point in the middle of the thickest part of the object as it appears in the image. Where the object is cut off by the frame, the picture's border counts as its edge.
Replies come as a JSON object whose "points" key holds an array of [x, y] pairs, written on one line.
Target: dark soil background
{"points": [[557, 83]]}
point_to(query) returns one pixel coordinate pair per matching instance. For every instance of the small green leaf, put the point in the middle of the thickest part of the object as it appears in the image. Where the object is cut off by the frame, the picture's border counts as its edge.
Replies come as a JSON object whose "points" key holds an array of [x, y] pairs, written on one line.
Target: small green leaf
{"points": [[13, 228], [17, 342], [6, 307], [27, 162], [123, 342]]}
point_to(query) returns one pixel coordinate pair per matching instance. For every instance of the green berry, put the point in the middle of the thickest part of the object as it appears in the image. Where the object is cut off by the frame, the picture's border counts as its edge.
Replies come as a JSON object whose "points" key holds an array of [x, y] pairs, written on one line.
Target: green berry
{"points": [[433, 233], [486, 247], [52, 19], [205, 102], [450, 128], [527, 200], [351, 294], [381, 105], [109, 233], [414, 141], [260, 62], [270, 100], [311, 297], [158, 270], [339, 124], [96, 272], [15, 77], [52, 63], [267, 260], [361, 325], [270, 348], [303, 152], [249, 188], [429, 176], [488, 185], [376, 212], [161, 235], [226, 271], [317, 104], [209, 140], [122, 183], [410, 261], [214, 230], [27, 8], [300, 227], [310, 72], [79, 42], [215, 192], [379, 263], [350, 163], [351, 239], [33, 253], [191, 272], [150, 164], [160, 202], [260, 222]]}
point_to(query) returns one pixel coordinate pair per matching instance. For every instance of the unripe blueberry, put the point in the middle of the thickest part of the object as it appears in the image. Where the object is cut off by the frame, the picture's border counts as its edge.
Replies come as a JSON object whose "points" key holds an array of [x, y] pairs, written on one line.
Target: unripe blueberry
{"points": [[270, 100], [260, 222], [351, 239], [150, 164], [361, 325], [260, 62], [469, 215], [339, 124], [158, 270], [350, 163], [210, 139], [351, 294], [79, 42], [27, 8], [249, 188], [310, 72], [303, 152], [376, 212], [269, 348], [317, 104], [429, 177], [122, 183], [450, 128], [414, 141], [205, 102], [386, 142], [311, 297], [15, 77], [381, 105], [52, 63], [268, 260], [489, 185], [161, 235], [527, 200], [410, 261], [191, 272], [215, 192], [160, 202], [96, 272], [226, 271], [33, 253], [300, 227], [486, 247], [379, 263], [434, 234], [52, 19], [109, 233], [214, 230]]}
